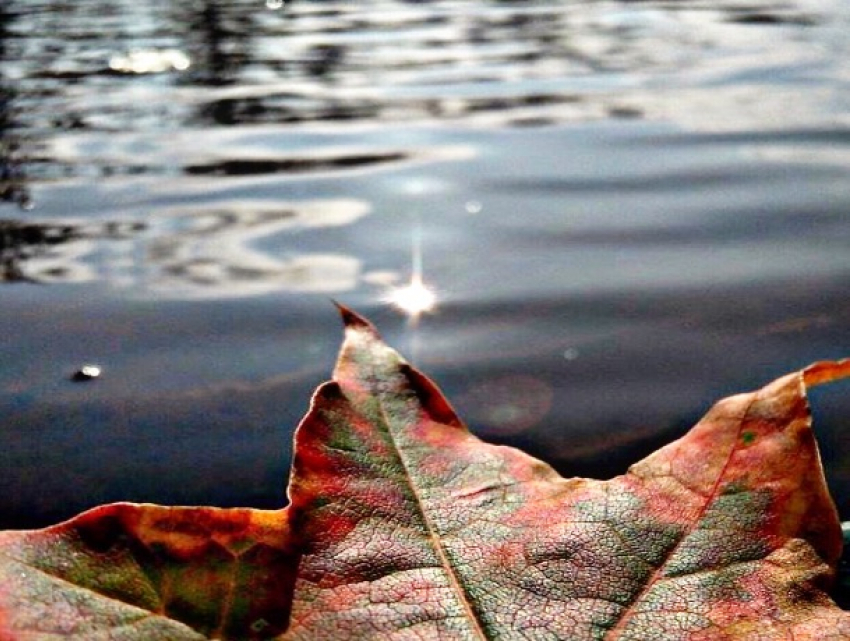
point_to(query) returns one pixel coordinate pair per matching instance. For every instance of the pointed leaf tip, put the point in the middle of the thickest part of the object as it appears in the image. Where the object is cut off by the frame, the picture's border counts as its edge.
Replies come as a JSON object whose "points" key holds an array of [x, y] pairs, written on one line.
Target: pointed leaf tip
{"points": [[353, 320], [824, 372]]}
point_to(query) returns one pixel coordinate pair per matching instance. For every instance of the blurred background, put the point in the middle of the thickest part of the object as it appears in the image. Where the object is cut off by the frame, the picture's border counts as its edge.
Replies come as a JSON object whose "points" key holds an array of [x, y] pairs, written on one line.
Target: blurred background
{"points": [[587, 220]]}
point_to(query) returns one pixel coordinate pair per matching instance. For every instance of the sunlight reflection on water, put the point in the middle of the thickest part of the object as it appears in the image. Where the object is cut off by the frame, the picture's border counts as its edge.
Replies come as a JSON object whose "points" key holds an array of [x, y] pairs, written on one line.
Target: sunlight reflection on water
{"points": [[150, 61], [414, 299]]}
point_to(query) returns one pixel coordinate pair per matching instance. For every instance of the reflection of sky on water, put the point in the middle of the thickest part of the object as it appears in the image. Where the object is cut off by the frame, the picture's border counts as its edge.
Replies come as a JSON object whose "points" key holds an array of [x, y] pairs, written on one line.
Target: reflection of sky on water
{"points": [[193, 253], [722, 66], [214, 254]]}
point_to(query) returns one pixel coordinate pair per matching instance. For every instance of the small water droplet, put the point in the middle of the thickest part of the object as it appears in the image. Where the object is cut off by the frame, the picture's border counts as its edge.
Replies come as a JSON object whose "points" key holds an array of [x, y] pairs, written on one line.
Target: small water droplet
{"points": [[571, 353], [86, 373], [259, 625], [474, 207]]}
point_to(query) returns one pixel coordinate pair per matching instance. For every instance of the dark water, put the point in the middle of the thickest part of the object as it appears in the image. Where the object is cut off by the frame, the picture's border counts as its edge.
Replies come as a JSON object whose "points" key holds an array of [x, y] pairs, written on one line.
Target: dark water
{"points": [[627, 210]]}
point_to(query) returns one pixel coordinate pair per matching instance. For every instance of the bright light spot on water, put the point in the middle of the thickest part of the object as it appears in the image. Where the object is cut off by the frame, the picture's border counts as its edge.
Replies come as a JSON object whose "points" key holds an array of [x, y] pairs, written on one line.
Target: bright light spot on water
{"points": [[150, 61], [474, 207], [413, 299], [274, 4], [571, 353], [416, 187], [419, 186], [92, 371]]}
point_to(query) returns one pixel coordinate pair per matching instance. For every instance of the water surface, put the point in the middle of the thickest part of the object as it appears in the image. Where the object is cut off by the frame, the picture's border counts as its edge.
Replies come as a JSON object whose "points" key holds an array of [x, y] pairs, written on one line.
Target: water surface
{"points": [[626, 209]]}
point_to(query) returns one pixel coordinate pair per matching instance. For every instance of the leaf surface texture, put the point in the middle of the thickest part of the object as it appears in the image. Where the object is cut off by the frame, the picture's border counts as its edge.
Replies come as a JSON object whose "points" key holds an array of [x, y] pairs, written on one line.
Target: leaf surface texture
{"points": [[404, 525]]}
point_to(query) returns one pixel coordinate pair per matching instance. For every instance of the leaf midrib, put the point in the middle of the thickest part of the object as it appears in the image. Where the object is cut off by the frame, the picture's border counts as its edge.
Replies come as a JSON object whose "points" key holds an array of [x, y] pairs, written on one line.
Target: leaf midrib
{"points": [[433, 534]]}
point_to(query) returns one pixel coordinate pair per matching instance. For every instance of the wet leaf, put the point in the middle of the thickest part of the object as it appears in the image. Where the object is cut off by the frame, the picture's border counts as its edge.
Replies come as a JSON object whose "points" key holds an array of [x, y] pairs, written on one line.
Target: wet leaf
{"points": [[403, 525]]}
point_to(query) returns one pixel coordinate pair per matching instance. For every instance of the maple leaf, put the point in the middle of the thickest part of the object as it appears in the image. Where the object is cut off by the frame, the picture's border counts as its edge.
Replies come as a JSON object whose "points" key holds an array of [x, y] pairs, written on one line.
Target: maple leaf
{"points": [[403, 525]]}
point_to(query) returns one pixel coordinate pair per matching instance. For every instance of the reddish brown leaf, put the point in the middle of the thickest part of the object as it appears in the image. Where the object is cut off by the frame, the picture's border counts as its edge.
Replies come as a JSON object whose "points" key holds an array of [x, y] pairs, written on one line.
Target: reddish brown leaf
{"points": [[402, 525], [416, 529]]}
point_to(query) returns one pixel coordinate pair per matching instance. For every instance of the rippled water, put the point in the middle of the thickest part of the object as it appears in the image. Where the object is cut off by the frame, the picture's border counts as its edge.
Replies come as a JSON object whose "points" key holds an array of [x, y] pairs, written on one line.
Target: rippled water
{"points": [[626, 209]]}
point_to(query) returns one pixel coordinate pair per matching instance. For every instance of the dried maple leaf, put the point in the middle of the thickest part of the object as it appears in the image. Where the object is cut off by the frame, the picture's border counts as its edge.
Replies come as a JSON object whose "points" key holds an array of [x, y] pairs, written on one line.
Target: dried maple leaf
{"points": [[403, 525]]}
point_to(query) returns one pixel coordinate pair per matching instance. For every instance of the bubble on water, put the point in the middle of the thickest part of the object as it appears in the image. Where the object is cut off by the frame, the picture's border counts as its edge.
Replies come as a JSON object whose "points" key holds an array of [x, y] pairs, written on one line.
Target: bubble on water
{"points": [[571, 353], [473, 207]]}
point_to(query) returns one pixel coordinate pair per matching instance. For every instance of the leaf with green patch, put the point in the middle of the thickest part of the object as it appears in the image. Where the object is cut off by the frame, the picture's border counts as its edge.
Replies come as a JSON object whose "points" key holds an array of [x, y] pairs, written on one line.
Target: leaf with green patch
{"points": [[403, 525]]}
